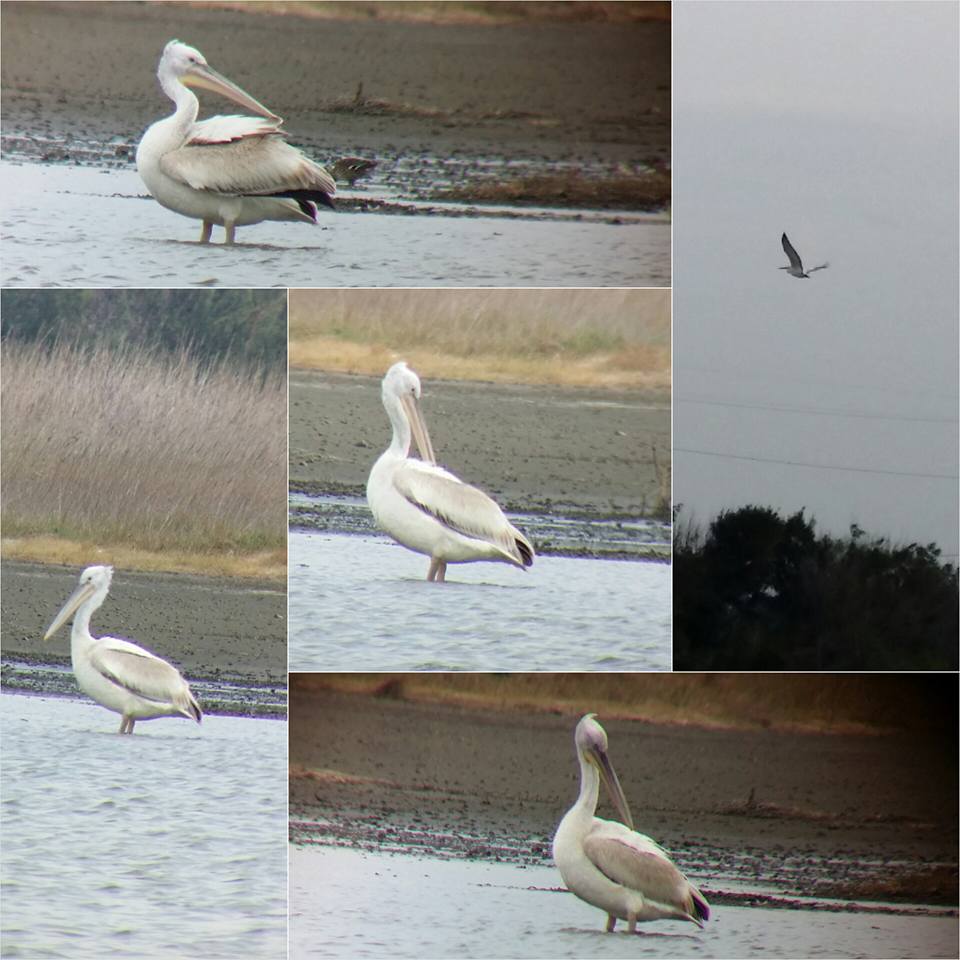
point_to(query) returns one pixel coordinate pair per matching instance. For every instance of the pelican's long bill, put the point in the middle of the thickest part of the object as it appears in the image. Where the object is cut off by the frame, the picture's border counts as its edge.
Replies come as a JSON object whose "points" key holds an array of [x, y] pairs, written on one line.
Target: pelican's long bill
{"points": [[83, 592], [418, 428], [204, 76], [598, 757]]}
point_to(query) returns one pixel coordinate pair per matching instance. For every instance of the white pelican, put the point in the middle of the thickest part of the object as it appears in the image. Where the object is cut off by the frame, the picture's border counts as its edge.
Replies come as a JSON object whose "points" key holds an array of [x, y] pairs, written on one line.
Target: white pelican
{"points": [[226, 170], [796, 266], [118, 674], [426, 508], [610, 865]]}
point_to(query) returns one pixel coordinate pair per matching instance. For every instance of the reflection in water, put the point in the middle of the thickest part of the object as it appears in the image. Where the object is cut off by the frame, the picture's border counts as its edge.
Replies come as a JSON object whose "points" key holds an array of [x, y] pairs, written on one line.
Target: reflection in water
{"points": [[363, 603], [169, 843], [345, 903], [116, 237]]}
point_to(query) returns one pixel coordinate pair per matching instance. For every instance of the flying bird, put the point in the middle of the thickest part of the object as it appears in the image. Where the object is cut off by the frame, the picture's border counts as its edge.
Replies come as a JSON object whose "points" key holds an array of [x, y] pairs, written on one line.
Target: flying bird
{"points": [[796, 266], [231, 171], [425, 507], [609, 864], [118, 674]]}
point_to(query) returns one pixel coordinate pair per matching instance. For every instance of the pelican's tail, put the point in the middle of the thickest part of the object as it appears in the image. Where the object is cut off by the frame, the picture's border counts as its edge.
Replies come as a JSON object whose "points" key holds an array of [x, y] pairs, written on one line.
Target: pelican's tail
{"points": [[697, 907], [186, 703], [524, 548]]}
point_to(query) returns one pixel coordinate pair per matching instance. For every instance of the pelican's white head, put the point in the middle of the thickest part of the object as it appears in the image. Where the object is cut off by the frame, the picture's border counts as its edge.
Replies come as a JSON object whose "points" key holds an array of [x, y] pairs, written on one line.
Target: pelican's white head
{"points": [[400, 379], [92, 588], [400, 392], [591, 742], [184, 65]]}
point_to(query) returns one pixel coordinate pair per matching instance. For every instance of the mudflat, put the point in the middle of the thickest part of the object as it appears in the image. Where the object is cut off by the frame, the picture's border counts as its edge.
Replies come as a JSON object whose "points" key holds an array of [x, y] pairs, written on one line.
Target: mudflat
{"points": [[835, 808], [210, 627], [570, 92], [538, 449]]}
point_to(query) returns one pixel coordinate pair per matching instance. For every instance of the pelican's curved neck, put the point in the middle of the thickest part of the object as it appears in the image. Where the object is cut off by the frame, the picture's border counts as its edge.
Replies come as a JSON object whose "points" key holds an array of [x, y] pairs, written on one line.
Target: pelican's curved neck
{"points": [[187, 105], [400, 444], [80, 636], [589, 788]]}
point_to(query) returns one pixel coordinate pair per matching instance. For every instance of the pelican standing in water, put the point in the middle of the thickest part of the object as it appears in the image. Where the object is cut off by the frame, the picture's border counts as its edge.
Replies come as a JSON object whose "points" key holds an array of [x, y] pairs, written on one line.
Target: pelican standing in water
{"points": [[610, 865], [231, 171], [426, 508], [796, 266], [118, 674]]}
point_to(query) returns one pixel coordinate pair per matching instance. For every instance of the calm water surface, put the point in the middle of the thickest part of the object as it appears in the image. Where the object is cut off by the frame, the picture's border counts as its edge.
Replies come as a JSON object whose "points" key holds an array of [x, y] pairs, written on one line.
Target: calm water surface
{"points": [[89, 227], [344, 903], [168, 843], [362, 602]]}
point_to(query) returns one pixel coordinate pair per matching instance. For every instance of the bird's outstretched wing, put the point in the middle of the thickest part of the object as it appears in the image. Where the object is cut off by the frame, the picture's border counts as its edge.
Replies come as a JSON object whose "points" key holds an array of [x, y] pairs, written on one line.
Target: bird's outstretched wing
{"points": [[792, 254]]}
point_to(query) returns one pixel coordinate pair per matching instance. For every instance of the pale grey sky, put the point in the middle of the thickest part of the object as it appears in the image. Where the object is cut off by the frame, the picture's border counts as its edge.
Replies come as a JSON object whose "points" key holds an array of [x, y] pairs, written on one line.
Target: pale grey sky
{"points": [[836, 122]]}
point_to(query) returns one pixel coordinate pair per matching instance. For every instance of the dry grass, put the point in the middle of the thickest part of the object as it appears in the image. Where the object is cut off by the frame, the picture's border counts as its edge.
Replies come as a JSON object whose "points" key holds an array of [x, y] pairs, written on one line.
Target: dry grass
{"points": [[809, 703], [125, 449], [616, 338], [258, 565], [457, 12]]}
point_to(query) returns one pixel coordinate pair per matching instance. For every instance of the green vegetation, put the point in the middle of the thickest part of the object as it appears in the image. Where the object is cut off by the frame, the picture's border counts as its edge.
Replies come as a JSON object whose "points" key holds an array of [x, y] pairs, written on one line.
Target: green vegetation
{"points": [[811, 702], [245, 329], [760, 592], [585, 337], [112, 444]]}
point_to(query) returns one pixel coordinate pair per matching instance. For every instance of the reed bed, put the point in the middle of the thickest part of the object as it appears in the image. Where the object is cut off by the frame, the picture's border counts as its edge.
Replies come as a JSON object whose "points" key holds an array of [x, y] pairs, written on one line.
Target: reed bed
{"points": [[130, 448], [616, 338]]}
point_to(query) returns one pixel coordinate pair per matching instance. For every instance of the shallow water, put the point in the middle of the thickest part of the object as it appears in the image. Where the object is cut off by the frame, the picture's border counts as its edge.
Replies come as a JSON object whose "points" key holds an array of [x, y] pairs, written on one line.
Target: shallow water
{"points": [[344, 903], [167, 843], [89, 227], [553, 535], [362, 602]]}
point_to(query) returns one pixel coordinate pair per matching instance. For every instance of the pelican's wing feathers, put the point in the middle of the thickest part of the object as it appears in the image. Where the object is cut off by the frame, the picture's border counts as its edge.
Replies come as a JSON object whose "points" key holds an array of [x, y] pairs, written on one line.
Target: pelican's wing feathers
{"points": [[461, 507], [262, 165], [142, 673], [792, 254], [635, 861], [226, 129]]}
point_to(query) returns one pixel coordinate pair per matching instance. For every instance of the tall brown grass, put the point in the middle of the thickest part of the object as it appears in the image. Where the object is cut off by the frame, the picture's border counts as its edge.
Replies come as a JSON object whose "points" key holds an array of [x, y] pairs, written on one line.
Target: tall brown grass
{"points": [[814, 703], [566, 337], [126, 447]]}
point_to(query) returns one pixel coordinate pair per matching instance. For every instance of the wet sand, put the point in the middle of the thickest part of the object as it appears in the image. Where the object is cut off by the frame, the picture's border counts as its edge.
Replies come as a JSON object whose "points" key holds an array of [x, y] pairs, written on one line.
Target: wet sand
{"points": [[379, 770], [535, 449], [210, 627], [576, 93]]}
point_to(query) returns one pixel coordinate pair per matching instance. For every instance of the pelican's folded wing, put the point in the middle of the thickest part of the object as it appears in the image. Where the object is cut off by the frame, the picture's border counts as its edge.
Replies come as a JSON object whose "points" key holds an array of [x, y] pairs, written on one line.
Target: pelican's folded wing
{"points": [[461, 507], [138, 671], [228, 129], [637, 862], [264, 165]]}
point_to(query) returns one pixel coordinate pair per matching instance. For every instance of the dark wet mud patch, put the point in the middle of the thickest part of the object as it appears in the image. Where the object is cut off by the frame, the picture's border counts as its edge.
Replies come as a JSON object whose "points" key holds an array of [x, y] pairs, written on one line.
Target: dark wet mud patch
{"points": [[583, 535]]}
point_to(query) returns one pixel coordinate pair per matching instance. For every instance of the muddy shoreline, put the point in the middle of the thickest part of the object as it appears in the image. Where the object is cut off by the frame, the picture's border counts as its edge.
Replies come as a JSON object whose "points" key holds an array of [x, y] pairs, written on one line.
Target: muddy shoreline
{"points": [[809, 814], [570, 96], [213, 629], [574, 451]]}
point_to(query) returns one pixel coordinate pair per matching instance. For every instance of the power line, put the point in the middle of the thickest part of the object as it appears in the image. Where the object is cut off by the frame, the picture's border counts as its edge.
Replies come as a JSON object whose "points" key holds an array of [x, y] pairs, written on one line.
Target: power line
{"points": [[812, 412], [817, 466]]}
